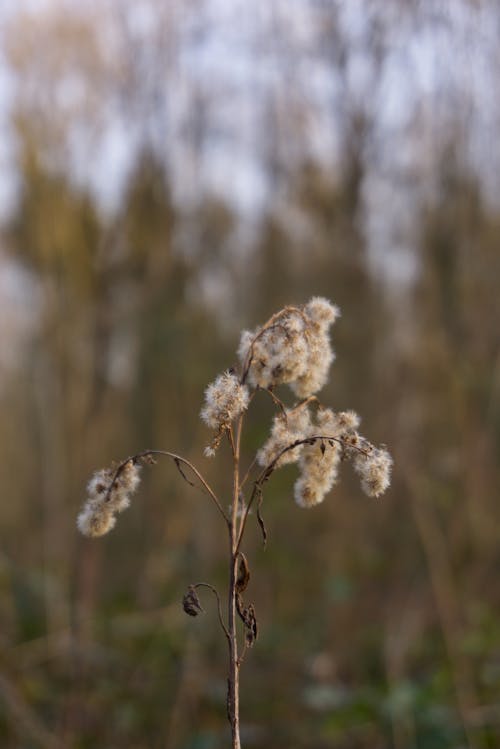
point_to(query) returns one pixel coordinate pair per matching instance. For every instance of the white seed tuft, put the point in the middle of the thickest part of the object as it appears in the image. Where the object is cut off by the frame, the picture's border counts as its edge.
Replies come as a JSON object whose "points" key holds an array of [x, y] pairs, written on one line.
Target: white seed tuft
{"points": [[108, 494], [225, 400], [293, 348], [287, 428], [374, 470]]}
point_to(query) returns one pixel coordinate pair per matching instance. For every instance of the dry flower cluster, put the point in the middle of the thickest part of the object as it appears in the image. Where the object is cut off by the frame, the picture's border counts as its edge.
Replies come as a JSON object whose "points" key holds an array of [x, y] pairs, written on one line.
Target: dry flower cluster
{"points": [[292, 348], [109, 491], [225, 400]]}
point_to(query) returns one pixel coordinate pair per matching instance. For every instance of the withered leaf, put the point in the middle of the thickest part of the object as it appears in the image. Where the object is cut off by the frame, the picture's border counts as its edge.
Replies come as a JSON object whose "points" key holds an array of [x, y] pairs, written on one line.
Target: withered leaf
{"points": [[243, 573], [250, 625], [191, 603], [247, 616]]}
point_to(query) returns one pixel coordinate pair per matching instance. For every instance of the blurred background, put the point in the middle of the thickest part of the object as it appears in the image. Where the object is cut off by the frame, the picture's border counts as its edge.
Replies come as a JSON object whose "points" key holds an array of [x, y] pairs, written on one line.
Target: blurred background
{"points": [[171, 172]]}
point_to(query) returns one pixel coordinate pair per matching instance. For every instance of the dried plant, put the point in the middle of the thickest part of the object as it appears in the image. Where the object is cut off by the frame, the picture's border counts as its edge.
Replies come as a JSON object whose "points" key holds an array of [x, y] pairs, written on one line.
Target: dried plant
{"points": [[292, 348]]}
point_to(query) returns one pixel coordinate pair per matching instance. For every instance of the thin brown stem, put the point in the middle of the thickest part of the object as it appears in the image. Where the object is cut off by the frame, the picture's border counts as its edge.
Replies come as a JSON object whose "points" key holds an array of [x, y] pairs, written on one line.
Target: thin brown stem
{"points": [[236, 483], [233, 708], [234, 666], [230, 437], [243, 653], [281, 406], [276, 400], [306, 401], [178, 460], [248, 472], [219, 606], [267, 471]]}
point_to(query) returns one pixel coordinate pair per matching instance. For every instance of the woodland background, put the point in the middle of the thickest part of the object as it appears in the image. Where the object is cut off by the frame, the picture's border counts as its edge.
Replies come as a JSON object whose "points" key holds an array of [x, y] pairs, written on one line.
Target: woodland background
{"points": [[172, 173]]}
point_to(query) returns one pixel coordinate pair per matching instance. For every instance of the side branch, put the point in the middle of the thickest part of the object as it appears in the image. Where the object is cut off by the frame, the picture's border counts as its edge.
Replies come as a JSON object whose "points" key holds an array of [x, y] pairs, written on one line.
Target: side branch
{"points": [[268, 470], [277, 402], [281, 406], [179, 462], [219, 607]]}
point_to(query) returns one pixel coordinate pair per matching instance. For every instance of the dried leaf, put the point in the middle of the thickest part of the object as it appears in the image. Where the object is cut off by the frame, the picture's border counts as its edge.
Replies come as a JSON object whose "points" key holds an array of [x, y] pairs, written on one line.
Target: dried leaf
{"points": [[179, 468], [243, 573], [247, 616], [250, 625], [260, 519], [191, 603]]}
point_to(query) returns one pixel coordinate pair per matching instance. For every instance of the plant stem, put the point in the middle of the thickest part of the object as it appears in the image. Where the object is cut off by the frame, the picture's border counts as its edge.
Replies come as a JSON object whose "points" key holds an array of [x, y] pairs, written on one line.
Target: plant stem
{"points": [[178, 460], [233, 695]]}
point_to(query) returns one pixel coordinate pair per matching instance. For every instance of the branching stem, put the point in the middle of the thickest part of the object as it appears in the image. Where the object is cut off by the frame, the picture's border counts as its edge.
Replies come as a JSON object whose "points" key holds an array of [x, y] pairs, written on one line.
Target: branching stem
{"points": [[178, 460], [267, 471]]}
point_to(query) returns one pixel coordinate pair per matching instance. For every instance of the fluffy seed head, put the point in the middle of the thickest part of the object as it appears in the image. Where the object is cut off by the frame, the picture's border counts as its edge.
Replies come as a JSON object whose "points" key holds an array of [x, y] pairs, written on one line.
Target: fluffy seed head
{"points": [[321, 311], [293, 348], [348, 421], [308, 493], [335, 437], [99, 483], [287, 428], [109, 492], [95, 522], [225, 400], [319, 361], [318, 465], [374, 470]]}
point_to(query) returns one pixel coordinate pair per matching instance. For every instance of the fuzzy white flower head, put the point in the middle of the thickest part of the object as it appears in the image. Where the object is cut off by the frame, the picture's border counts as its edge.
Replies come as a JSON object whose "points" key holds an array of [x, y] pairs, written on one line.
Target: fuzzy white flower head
{"points": [[334, 437], [348, 421], [308, 492], [375, 471], [292, 348], [321, 311], [246, 339], [287, 428], [319, 359], [99, 483], [318, 464], [276, 354], [225, 400], [109, 492], [95, 522]]}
